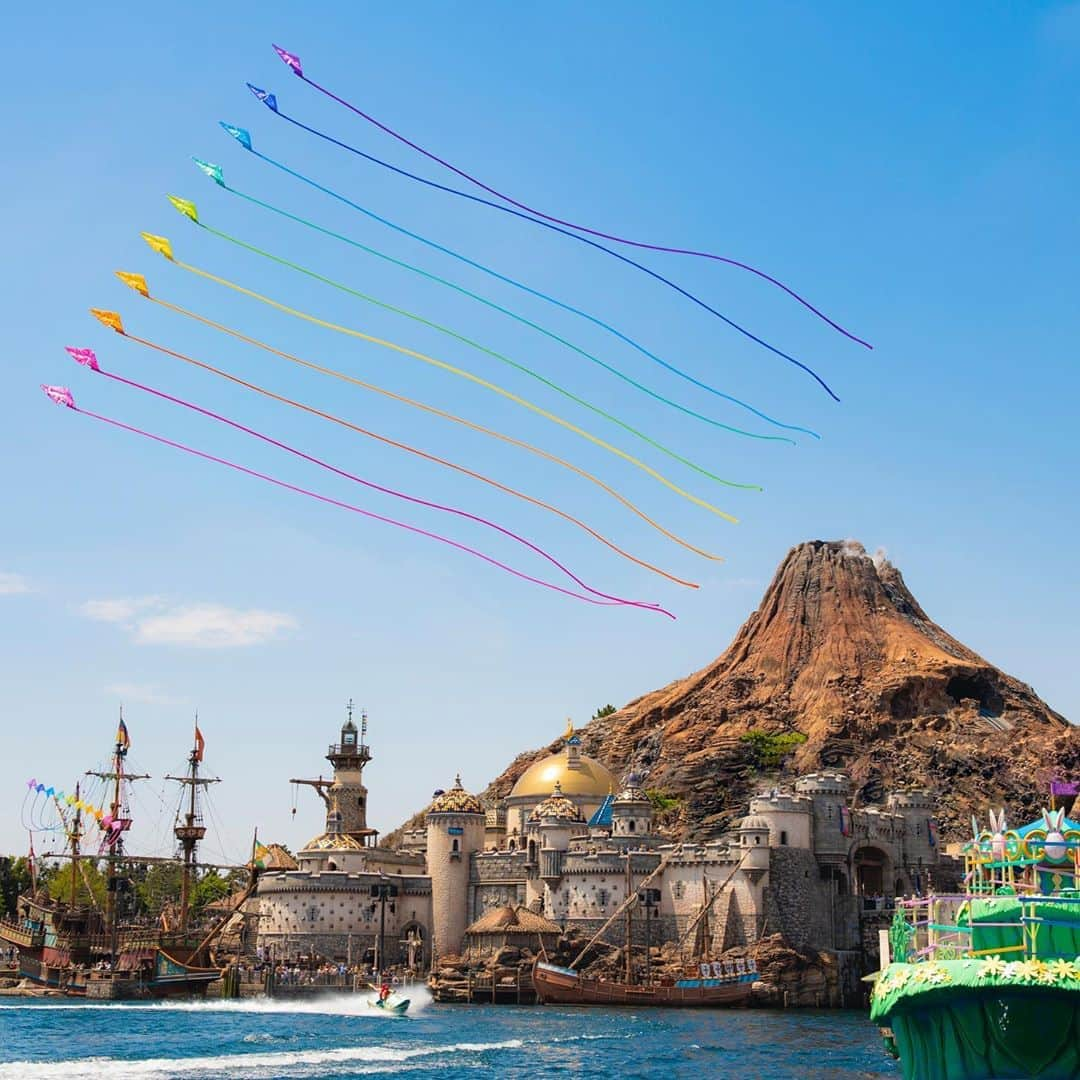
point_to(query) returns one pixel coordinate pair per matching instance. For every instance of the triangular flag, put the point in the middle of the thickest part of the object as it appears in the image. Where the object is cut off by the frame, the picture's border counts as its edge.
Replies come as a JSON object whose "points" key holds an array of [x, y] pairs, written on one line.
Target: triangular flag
{"points": [[289, 59], [31, 783], [134, 281], [160, 244], [40, 788], [59, 394], [50, 792], [239, 134], [185, 206], [268, 99], [111, 319], [86, 357]]}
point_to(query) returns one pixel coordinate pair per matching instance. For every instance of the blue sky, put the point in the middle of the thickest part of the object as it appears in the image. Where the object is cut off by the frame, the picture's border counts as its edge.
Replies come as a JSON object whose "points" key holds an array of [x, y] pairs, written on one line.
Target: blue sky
{"points": [[912, 170]]}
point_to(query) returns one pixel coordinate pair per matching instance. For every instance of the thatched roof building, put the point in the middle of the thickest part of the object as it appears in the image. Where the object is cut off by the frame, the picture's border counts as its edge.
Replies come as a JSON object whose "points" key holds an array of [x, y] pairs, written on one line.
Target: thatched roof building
{"points": [[517, 927]]}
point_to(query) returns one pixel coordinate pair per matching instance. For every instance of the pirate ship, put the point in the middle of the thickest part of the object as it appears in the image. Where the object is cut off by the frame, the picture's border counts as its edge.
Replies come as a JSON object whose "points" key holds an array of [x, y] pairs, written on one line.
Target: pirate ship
{"points": [[986, 982], [704, 983], [77, 946]]}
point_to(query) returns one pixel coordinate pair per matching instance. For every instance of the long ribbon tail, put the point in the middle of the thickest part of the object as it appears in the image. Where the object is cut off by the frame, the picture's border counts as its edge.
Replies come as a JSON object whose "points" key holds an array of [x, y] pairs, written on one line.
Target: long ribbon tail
{"points": [[453, 418], [337, 328], [517, 317], [694, 299], [398, 445], [376, 487], [355, 509], [215, 173], [473, 344], [569, 224]]}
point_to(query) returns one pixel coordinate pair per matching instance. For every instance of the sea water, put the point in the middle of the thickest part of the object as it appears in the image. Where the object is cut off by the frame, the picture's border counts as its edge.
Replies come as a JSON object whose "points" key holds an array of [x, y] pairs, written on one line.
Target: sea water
{"points": [[343, 1036]]}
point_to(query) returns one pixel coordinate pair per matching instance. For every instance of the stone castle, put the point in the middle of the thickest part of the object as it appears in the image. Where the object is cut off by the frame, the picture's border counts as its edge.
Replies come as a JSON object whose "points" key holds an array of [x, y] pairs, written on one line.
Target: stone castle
{"points": [[570, 842]]}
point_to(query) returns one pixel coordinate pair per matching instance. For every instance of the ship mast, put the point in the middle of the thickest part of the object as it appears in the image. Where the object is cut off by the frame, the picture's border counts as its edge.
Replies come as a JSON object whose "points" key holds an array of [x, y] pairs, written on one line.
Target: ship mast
{"points": [[75, 835], [191, 830], [120, 824]]}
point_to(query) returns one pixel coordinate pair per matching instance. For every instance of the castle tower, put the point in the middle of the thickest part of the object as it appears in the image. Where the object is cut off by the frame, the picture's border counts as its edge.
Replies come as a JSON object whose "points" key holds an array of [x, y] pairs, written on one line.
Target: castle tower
{"points": [[455, 830], [920, 839], [346, 797], [631, 811], [754, 845]]}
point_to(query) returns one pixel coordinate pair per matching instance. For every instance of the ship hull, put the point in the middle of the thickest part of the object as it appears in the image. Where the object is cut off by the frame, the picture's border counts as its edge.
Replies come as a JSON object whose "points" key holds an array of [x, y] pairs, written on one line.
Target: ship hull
{"points": [[561, 986], [165, 978]]}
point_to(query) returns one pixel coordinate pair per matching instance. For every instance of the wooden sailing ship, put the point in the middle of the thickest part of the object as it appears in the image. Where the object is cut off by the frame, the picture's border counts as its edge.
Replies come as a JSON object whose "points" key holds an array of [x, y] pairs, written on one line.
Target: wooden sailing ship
{"points": [[704, 982], [84, 949]]}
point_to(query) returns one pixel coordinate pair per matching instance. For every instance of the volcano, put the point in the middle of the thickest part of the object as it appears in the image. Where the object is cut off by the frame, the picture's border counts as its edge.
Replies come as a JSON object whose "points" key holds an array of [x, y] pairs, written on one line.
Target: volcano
{"points": [[839, 667]]}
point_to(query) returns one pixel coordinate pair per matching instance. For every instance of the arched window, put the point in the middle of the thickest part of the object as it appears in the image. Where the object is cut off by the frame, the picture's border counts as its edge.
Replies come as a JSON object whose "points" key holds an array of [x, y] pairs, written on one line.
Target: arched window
{"points": [[456, 846], [630, 825]]}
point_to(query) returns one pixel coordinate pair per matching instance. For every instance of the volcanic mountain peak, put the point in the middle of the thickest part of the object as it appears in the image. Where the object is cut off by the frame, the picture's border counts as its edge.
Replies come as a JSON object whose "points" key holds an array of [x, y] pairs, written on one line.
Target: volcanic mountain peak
{"points": [[839, 654]]}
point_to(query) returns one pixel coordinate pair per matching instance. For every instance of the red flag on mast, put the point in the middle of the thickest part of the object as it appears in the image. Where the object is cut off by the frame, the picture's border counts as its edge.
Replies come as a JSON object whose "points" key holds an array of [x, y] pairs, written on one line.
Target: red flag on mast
{"points": [[200, 743]]}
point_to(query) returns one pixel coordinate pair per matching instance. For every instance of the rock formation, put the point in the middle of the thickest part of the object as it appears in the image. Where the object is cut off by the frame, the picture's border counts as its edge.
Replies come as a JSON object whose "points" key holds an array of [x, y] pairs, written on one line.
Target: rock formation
{"points": [[842, 659]]}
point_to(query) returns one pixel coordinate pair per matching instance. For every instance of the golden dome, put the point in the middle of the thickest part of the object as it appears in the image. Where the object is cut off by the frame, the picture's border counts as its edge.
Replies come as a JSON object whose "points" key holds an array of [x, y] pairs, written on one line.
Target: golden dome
{"points": [[588, 778]]}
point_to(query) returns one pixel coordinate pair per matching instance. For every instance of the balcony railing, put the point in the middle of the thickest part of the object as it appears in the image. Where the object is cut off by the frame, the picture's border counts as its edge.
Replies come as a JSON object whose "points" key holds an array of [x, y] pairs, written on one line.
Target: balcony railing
{"points": [[23, 936]]}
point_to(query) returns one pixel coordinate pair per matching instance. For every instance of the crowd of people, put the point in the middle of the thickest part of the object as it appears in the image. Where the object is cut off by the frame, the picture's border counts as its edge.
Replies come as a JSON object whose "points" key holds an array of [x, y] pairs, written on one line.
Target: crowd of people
{"points": [[311, 971]]}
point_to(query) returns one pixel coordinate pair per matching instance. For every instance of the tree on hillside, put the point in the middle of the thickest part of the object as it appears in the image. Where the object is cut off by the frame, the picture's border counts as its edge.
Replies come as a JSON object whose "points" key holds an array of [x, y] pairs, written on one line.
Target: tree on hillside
{"points": [[604, 710]]}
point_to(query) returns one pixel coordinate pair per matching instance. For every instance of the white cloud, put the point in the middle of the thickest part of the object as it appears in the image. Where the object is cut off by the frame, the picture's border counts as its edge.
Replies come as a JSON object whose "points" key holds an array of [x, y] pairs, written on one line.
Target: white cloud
{"points": [[151, 620], [118, 611], [211, 626], [13, 584], [739, 583], [142, 693]]}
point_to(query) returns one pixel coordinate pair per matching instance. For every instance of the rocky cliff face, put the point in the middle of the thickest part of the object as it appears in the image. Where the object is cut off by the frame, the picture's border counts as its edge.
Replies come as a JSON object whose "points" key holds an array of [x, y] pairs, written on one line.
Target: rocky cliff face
{"points": [[839, 651]]}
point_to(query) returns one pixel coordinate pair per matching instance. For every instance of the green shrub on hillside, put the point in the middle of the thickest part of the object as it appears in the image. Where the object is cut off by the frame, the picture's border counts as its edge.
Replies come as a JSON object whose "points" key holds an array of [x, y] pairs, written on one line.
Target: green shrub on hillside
{"points": [[768, 749]]}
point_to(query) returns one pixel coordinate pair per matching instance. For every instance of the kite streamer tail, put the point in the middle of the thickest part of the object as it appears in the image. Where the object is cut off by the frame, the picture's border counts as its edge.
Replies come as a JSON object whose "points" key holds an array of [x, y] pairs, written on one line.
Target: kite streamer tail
{"points": [[214, 173], [382, 438], [244, 138], [293, 62], [111, 320], [162, 245], [187, 208], [80, 356], [342, 505]]}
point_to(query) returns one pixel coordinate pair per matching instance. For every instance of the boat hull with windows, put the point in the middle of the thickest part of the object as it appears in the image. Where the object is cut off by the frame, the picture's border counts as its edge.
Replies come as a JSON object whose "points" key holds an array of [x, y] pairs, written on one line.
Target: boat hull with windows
{"points": [[563, 986], [986, 983]]}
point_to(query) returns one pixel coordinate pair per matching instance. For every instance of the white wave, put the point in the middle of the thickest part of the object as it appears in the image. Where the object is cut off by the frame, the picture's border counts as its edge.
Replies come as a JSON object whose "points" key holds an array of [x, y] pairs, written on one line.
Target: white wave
{"points": [[283, 1063], [330, 1005]]}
